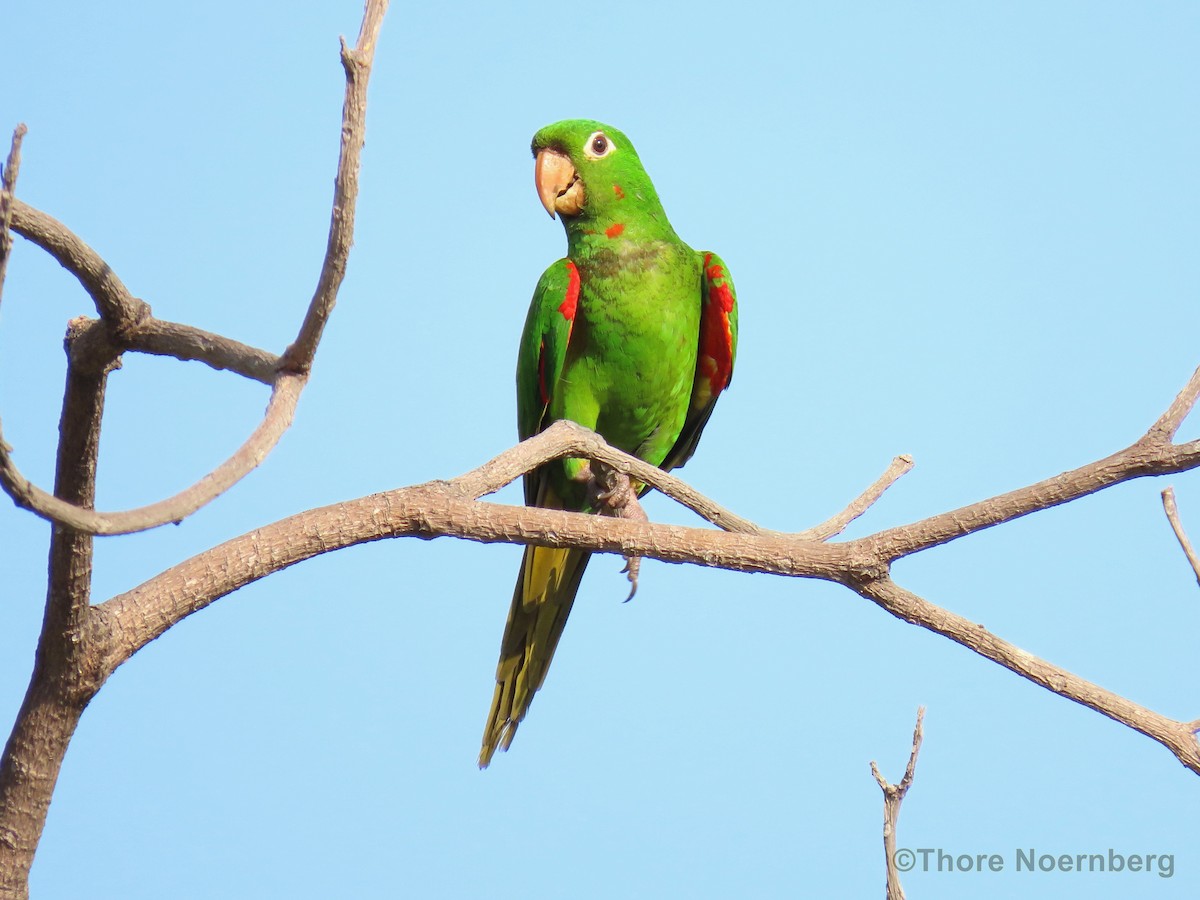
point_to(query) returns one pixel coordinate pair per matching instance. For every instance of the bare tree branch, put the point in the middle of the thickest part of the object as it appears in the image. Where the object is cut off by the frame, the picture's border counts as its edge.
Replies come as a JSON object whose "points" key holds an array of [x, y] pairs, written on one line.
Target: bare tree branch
{"points": [[76, 641], [435, 509], [1151, 455], [1172, 511], [93, 350], [442, 508], [893, 796], [900, 467], [113, 301], [183, 342], [1168, 423], [132, 327], [904, 604], [8, 182], [567, 439], [357, 63], [66, 667], [278, 418]]}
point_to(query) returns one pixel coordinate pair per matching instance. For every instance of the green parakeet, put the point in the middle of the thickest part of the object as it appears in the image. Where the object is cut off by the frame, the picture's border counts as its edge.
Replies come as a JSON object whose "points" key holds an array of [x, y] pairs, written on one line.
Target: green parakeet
{"points": [[633, 335]]}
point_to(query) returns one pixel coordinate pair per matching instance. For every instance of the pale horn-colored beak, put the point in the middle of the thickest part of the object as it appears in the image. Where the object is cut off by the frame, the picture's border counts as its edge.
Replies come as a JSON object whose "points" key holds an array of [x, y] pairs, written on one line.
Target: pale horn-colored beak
{"points": [[557, 182]]}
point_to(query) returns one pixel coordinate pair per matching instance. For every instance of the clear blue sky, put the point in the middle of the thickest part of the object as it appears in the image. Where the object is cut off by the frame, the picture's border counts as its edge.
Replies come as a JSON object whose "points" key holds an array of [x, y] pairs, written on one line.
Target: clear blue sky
{"points": [[962, 231]]}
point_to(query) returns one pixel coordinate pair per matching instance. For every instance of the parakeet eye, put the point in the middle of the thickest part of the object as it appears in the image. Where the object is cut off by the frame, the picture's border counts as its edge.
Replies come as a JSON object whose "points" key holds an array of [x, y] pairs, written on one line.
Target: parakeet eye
{"points": [[598, 146]]}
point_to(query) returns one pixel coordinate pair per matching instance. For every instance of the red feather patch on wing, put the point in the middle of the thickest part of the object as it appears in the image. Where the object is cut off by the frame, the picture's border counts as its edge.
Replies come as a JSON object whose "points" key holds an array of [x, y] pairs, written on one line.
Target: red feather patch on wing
{"points": [[570, 303], [716, 338]]}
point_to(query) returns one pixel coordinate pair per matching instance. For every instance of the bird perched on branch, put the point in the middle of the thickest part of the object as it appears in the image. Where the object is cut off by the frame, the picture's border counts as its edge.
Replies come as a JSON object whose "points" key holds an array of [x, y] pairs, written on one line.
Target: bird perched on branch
{"points": [[633, 335]]}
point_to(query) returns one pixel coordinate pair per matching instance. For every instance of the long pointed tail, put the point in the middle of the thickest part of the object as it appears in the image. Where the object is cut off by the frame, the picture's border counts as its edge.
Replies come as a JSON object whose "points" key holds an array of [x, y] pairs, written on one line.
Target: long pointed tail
{"points": [[545, 591]]}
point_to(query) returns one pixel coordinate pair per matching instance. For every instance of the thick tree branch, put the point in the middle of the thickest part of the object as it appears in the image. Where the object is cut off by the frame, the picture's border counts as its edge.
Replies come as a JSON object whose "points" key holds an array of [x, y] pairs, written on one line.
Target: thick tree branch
{"points": [[66, 672], [893, 796], [1172, 511], [437, 509]]}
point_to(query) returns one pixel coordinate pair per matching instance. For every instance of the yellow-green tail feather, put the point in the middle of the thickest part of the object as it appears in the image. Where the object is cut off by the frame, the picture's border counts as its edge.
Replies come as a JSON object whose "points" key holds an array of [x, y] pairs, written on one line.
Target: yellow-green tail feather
{"points": [[546, 588]]}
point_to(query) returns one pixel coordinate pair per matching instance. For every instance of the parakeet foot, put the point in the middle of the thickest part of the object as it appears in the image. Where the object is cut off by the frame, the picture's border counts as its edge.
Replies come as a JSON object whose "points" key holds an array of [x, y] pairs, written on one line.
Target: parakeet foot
{"points": [[611, 493], [616, 496]]}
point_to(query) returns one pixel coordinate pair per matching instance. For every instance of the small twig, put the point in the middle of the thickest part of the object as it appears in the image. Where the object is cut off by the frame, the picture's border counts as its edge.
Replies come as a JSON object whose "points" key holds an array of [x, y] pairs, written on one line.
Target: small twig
{"points": [[357, 64], [567, 439], [1168, 423], [8, 184], [893, 796], [900, 467], [1172, 511]]}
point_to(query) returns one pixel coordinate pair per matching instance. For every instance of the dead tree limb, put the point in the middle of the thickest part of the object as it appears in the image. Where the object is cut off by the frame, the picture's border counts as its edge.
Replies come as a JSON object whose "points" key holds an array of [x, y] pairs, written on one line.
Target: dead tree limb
{"points": [[893, 796], [1171, 508]]}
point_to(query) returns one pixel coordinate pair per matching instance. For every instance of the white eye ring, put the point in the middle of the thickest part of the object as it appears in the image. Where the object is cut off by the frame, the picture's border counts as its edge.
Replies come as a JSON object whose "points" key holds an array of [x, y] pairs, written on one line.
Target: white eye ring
{"points": [[598, 145]]}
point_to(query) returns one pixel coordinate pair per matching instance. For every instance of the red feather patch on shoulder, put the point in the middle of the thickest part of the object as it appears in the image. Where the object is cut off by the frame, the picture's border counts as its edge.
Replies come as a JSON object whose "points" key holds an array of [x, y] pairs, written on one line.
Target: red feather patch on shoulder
{"points": [[571, 300], [614, 230], [716, 338]]}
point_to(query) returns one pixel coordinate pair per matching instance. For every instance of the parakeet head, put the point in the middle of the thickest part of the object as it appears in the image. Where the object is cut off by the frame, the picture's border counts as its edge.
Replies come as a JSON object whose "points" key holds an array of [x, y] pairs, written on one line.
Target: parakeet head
{"points": [[589, 171]]}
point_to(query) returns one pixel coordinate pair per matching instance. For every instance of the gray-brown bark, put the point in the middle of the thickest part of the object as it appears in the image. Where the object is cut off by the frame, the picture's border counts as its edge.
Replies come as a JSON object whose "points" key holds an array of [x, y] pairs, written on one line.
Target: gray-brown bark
{"points": [[75, 648]]}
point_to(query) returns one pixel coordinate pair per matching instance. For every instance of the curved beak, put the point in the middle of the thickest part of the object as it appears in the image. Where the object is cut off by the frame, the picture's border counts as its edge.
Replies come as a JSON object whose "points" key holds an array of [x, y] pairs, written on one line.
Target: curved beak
{"points": [[557, 182]]}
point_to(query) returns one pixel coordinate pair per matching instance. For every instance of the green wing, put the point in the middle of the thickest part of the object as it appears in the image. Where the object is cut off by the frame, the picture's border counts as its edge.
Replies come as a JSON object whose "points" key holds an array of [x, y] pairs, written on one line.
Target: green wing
{"points": [[715, 357], [549, 577], [543, 350]]}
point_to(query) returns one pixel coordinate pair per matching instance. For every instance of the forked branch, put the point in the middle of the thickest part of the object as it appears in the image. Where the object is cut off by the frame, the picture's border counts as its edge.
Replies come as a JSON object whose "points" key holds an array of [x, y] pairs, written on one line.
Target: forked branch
{"points": [[128, 325], [893, 796]]}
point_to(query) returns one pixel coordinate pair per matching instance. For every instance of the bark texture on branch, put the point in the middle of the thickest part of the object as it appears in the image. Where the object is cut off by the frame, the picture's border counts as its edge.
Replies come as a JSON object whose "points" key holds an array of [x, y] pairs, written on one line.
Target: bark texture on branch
{"points": [[893, 796], [129, 325], [75, 642]]}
